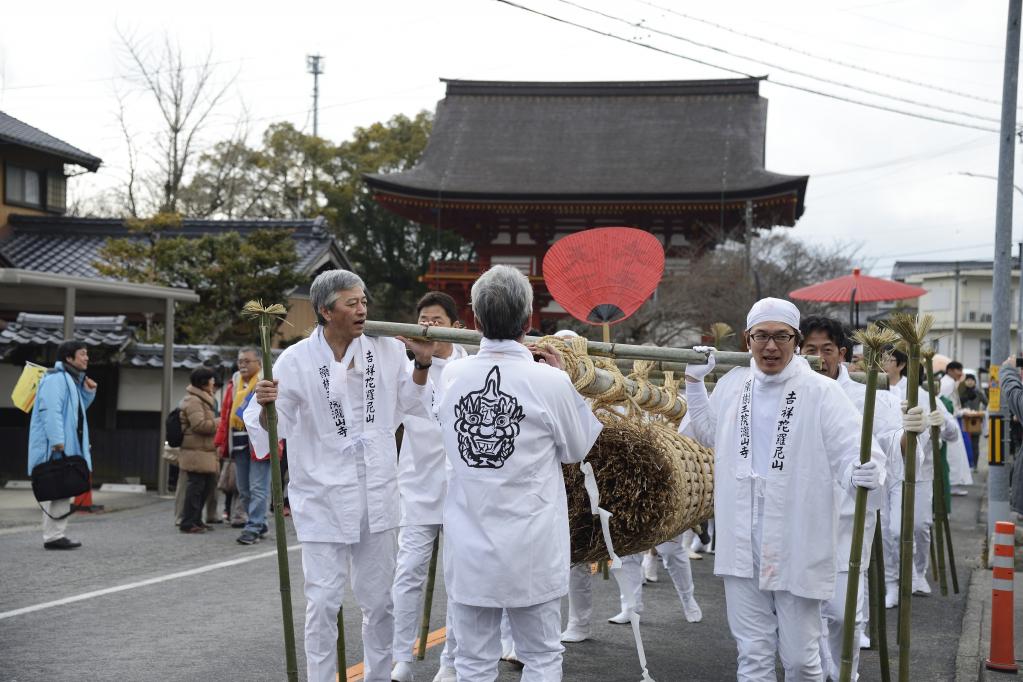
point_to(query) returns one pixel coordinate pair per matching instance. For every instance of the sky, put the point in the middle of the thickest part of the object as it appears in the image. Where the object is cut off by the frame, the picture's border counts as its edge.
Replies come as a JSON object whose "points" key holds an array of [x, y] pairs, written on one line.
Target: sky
{"points": [[884, 185]]}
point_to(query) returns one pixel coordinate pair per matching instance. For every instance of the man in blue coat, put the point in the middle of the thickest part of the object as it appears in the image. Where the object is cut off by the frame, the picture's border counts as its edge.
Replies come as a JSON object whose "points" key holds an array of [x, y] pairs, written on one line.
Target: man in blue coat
{"points": [[59, 428]]}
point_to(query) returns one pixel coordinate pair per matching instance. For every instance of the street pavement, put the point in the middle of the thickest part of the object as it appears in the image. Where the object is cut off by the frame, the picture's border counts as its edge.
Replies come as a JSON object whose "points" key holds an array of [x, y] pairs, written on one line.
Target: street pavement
{"points": [[143, 602]]}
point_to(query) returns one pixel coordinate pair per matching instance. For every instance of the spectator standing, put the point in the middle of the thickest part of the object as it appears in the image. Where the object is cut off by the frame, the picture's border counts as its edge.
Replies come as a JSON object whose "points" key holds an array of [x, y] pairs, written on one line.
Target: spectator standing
{"points": [[59, 428], [198, 454]]}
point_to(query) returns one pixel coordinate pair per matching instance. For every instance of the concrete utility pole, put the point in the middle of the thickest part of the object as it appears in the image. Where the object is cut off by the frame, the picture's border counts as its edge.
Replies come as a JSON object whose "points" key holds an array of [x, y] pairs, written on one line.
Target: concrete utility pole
{"points": [[1019, 295], [998, 476], [955, 318], [314, 65]]}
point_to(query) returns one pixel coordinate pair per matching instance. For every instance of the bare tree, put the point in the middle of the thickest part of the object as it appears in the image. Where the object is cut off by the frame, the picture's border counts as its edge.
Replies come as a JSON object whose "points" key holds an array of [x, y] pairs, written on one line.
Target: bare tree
{"points": [[186, 96]]}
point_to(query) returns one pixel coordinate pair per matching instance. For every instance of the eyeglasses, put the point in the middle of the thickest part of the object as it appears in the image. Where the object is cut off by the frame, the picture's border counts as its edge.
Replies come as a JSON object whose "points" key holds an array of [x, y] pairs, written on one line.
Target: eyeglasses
{"points": [[780, 338]]}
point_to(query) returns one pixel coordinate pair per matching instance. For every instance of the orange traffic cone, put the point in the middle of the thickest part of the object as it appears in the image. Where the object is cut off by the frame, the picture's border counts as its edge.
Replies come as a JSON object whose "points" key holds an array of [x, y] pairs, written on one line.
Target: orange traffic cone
{"points": [[1003, 656]]}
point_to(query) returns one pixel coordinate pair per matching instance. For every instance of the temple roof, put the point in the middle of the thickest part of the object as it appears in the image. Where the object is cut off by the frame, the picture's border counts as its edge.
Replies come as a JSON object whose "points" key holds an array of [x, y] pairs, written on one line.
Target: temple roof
{"points": [[657, 140]]}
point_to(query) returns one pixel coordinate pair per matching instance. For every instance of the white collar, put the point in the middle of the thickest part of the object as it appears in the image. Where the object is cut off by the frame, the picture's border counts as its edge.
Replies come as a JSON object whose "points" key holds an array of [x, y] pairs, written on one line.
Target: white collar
{"points": [[843, 376], [796, 366], [505, 346]]}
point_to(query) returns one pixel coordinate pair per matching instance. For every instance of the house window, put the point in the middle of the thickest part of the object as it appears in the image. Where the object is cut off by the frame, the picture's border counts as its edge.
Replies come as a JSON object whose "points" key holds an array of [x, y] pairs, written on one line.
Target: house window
{"points": [[38, 189]]}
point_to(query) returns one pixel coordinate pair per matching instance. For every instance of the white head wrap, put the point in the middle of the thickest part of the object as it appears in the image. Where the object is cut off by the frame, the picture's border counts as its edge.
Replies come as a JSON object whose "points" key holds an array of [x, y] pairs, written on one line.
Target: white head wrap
{"points": [[565, 334], [773, 310]]}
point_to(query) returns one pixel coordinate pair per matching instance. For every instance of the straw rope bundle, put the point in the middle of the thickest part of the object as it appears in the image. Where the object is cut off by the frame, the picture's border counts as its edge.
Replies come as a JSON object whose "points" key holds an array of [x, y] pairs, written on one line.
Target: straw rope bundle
{"points": [[655, 482]]}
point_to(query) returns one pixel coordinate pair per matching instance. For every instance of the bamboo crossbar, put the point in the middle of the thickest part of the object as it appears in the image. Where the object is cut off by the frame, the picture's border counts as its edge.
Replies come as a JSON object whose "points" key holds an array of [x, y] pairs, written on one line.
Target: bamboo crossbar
{"points": [[597, 348]]}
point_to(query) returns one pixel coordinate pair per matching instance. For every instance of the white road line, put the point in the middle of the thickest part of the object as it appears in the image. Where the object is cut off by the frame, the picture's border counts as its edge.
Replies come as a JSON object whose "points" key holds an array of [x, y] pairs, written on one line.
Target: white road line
{"points": [[141, 583]]}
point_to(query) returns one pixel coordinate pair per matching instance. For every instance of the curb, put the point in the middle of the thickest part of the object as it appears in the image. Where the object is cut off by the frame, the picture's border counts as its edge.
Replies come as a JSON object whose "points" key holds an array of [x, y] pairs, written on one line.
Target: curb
{"points": [[969, 656]]}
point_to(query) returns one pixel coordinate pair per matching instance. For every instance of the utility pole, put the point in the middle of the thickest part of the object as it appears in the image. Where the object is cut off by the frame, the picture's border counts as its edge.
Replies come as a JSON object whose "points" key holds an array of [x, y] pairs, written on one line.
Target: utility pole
{"points": [[998, 476], [1019, 313], [314, 65], [955, 318]]}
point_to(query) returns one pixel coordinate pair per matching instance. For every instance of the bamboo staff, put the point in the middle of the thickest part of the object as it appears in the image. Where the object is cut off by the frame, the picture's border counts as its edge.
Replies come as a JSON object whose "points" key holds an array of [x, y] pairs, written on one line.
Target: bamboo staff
{"points": [[342, 656], [266, 317], [877, 564], [912, 329], [874, 340], [431, 579], [943, 536]]}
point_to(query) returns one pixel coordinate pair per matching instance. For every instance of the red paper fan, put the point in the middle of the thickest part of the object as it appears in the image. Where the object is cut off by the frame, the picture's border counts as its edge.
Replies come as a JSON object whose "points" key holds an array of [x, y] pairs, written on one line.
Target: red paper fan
{"points": [[602, 276]]}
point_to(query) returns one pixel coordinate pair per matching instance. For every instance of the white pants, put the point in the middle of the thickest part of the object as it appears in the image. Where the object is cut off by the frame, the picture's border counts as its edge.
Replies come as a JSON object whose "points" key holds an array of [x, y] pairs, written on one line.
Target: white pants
{"points": [[447, 654], [923, 518], [415, 547], [630, 577], [833, 614], [325, 566], [765, 621], [536, 630], [891, 531], [52, 528], [580, 596], [675, 555]]}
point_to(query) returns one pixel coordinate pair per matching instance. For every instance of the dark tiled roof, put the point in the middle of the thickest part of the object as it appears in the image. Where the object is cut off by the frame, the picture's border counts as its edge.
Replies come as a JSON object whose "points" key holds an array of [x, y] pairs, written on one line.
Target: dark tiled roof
{"points": [[150, 355], [13, 131], [641, 140], [42, 330], [70, 246]]}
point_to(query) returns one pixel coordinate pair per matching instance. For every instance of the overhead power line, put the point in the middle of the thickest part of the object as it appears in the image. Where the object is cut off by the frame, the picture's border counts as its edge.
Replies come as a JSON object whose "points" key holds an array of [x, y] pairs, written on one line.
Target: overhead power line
{"points": [[772, 65], [823, 58], [783, 84]]}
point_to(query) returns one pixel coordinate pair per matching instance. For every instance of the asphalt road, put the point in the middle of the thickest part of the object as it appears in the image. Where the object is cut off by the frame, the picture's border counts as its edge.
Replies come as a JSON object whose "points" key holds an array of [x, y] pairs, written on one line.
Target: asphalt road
{"points": [[223, 622]]}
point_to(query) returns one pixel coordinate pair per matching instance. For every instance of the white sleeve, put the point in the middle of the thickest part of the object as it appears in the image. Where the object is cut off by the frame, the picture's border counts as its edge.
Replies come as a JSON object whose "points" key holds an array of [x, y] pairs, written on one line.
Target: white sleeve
{"points": [[412, 399], [575, 427], [700, 422], [950, 429], [842, 425]]}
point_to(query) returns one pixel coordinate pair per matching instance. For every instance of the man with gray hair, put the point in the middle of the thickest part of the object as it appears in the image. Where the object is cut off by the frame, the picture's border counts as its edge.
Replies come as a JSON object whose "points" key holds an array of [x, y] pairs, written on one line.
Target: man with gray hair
{"points": [[340, 395], [509, 423]]}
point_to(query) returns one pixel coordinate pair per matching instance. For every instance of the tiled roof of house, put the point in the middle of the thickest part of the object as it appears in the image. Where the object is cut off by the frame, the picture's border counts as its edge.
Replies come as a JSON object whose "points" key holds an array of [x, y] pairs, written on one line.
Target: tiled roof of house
{"points": [[15, 132], [42, 330], [71, 246]]}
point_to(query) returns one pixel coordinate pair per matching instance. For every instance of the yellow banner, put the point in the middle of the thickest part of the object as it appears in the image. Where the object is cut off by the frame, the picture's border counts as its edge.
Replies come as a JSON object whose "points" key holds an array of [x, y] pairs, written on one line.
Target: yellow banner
{"points": [[24, 393], [994, 392]]}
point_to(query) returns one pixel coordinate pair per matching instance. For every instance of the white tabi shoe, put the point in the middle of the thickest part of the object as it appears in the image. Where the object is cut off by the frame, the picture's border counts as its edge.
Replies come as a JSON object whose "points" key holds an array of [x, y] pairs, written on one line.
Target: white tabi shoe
{"points": [[920, 585], [694, 614], [695, 556], [445, 674], [401, 672], [622, 618], [891, 595], [575, 633], [864, 641], [649, 568]]}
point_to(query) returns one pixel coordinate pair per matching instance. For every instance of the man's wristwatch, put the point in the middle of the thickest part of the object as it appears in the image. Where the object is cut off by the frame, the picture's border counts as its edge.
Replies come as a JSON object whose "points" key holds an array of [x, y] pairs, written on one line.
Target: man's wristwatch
{"points": [[419, 365]]}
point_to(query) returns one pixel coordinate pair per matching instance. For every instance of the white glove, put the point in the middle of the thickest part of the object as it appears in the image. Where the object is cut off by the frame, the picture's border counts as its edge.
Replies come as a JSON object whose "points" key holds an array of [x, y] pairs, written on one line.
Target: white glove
{"points": [[913, 420], [699, 371], [866, 475], [936, 418]]}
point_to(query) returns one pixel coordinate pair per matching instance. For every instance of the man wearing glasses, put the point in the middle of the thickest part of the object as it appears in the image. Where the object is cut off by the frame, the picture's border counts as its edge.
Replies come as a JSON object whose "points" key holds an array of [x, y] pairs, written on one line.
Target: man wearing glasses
{"points": [[781, 434]]}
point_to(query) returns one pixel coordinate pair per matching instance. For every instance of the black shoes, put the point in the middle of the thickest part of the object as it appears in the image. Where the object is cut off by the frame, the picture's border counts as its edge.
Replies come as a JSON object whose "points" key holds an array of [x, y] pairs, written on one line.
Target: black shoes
{"points": [[191, 530], [248, 538], [61, 543]]}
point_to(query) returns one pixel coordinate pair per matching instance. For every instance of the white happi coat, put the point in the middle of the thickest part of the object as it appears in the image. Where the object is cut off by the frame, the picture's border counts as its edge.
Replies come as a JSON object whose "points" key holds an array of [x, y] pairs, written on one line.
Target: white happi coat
{"points": [[949, 430], [422, 465], [328, 428], [509, 424], [816, 441], [887, 431]]}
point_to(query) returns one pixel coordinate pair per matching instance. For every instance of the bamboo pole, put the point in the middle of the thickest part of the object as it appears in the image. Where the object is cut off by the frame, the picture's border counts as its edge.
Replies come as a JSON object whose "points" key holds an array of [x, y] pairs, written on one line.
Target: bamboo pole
{"points": [[882, 616], [874, 340], [912, 330], [265, 316], [342, 657], [938, 484], [431, 580]]}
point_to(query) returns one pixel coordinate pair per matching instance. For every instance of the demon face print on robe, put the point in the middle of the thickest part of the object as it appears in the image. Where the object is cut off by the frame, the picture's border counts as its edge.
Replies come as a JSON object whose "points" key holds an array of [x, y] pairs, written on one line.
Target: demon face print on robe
{"points": [[487, 422]]}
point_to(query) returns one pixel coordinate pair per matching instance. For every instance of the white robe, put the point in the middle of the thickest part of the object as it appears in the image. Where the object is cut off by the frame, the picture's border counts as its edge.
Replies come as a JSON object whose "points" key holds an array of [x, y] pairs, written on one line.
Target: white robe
{"points": [[509, 424], [422, 465], [949, 430], [799, 535], [326, 503]]}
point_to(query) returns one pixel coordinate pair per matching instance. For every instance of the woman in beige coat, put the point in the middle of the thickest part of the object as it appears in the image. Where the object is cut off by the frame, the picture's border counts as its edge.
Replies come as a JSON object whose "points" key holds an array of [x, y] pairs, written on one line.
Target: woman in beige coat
{"points": [[198, 455]]}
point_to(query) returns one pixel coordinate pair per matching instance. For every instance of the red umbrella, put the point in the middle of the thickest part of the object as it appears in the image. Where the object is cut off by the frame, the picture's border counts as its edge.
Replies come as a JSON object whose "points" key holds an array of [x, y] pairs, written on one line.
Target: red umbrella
{"points": [[864, 287], [857, 288]]}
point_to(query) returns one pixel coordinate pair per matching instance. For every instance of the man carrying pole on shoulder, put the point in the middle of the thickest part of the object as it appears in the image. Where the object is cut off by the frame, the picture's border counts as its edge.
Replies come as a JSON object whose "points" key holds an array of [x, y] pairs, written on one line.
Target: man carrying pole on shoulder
{"points": [[774, 492], [340, 396]]}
